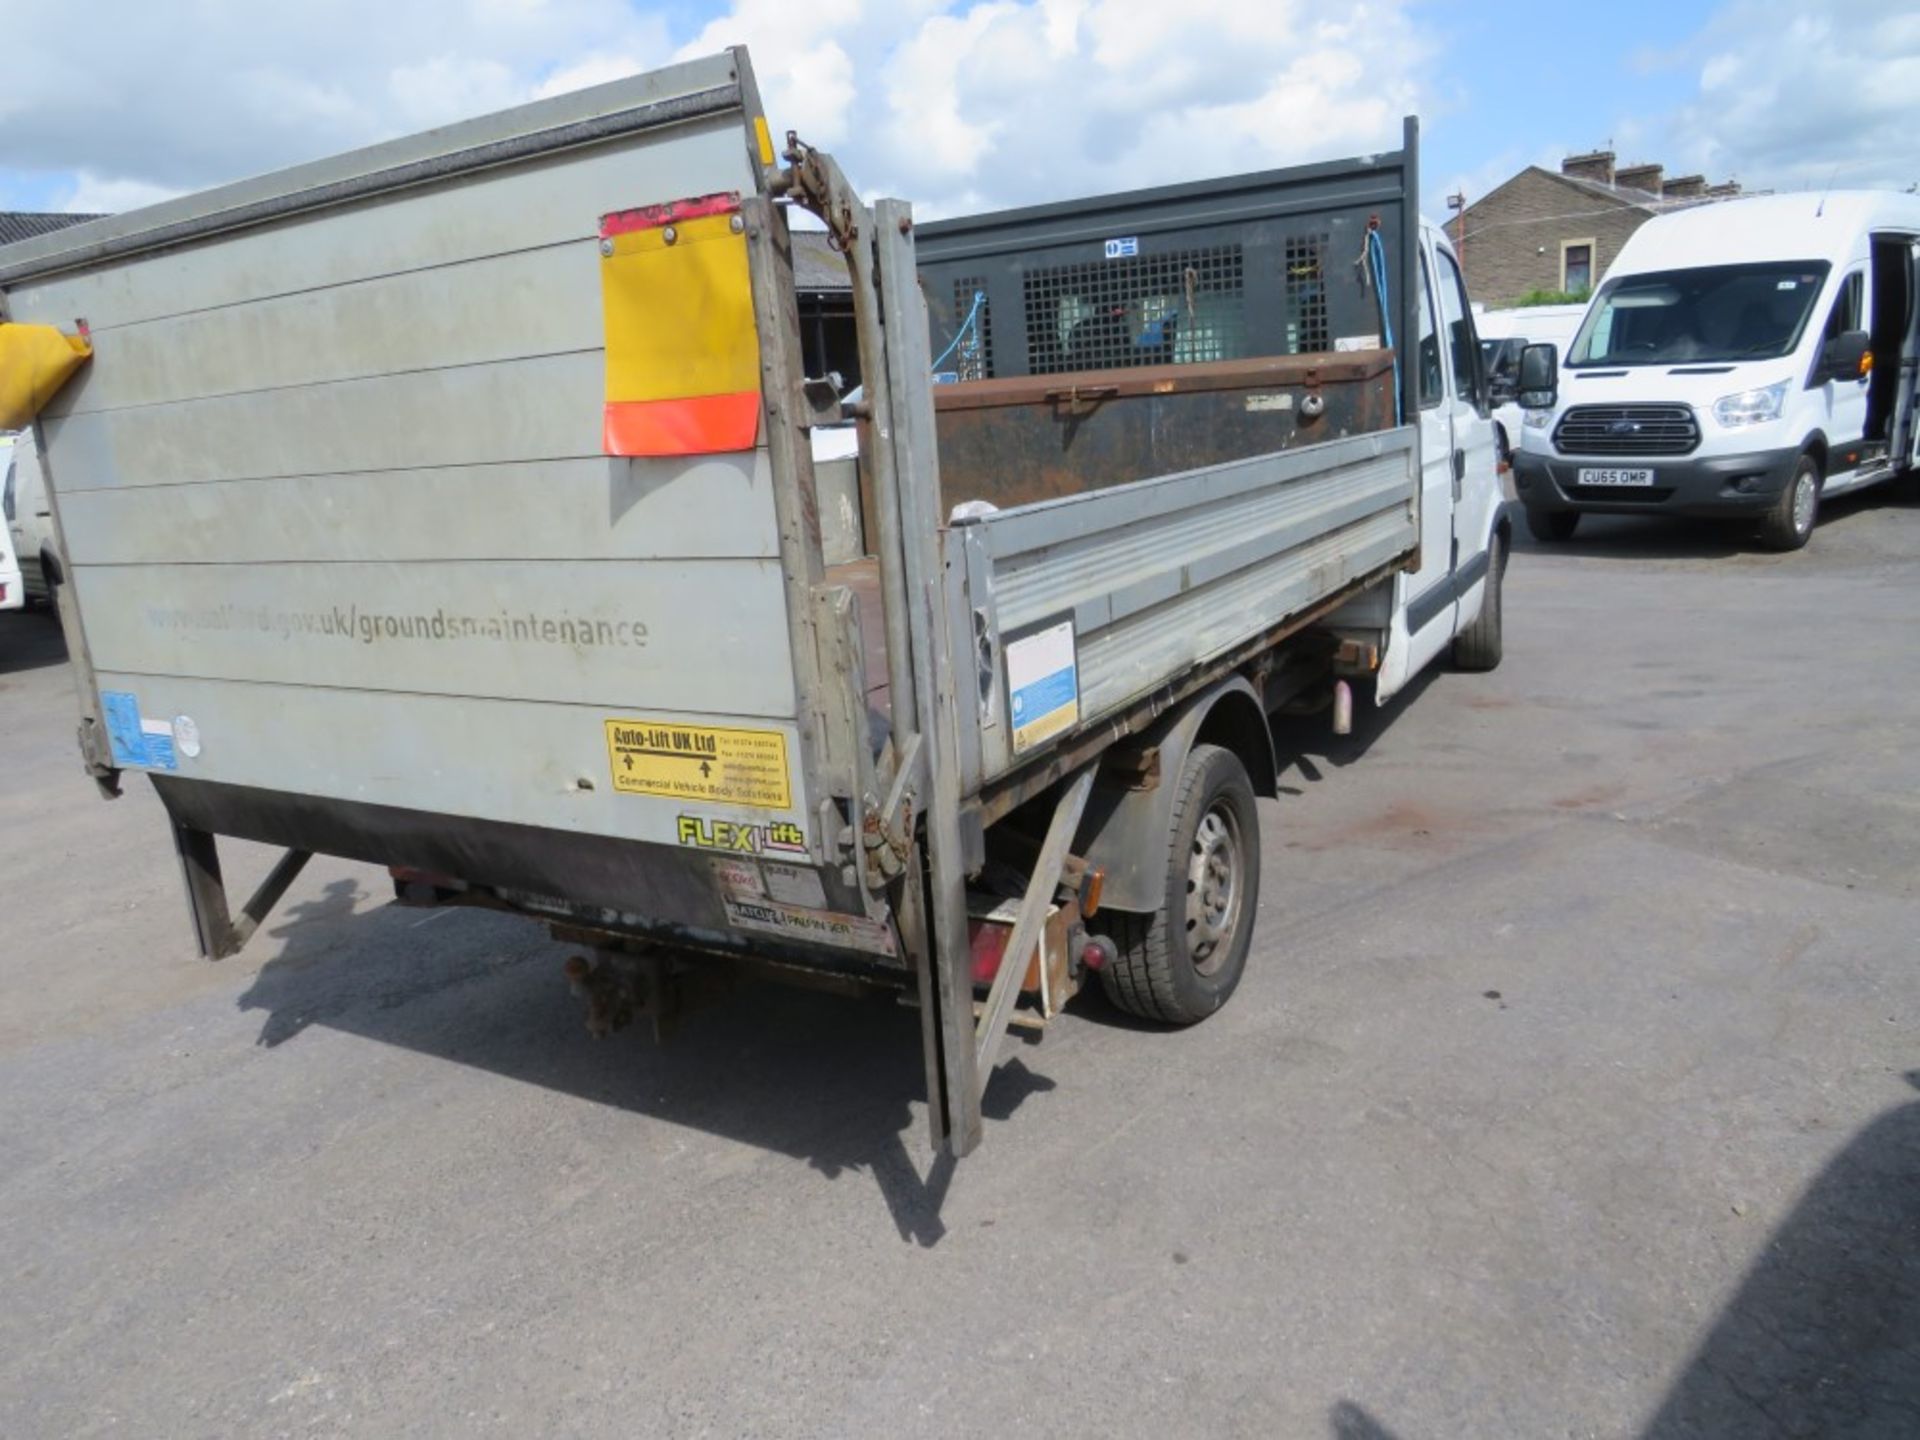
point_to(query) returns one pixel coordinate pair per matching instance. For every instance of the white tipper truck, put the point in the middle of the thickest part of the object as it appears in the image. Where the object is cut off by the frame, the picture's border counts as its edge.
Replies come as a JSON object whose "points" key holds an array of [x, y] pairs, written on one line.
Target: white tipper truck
{"points": [[448, 505]]}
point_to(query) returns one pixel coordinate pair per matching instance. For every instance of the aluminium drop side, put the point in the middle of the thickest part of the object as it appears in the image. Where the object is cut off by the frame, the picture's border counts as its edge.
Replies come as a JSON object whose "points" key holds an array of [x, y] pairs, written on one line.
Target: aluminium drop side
{"points": [[351, 569]]}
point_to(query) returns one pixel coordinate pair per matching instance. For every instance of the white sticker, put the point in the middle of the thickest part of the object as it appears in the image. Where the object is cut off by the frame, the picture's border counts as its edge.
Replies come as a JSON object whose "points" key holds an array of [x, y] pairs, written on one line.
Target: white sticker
{"points": [[1122, 248], [186, 735], [740, 879], [1043, 685], [814, 927], [1281, 401], [1344, 343], [795, 885]]}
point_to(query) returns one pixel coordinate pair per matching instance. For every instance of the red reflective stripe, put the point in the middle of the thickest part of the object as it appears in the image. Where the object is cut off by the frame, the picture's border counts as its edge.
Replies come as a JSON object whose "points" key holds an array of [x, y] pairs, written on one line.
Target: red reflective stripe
{"points": [[652, 217], [696, 425]]}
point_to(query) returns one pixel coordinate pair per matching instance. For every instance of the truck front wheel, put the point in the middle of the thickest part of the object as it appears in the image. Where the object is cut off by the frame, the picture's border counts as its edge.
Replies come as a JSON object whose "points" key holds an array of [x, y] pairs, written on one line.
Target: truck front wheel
{"points": [[1181, 963], [1478, 647]]}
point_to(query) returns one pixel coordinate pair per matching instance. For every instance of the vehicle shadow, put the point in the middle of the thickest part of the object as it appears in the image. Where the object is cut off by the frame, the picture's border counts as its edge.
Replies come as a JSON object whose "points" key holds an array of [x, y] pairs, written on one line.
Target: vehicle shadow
{"points": [[822, 1078], [1823, 1335], [1657, 537], [1643, 537], [1303, 745], [30, 640]]}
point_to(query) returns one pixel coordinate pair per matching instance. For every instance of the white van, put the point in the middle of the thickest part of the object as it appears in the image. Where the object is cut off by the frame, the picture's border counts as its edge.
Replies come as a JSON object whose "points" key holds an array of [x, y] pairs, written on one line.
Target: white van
{"points": [[28, 516], [1504, 334], [13, 594], [1742, 358]]}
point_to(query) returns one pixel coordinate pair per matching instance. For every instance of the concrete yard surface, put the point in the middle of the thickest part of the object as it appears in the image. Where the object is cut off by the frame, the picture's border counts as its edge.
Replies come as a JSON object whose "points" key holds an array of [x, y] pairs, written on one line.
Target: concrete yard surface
{"points": [[1571, 1092]]}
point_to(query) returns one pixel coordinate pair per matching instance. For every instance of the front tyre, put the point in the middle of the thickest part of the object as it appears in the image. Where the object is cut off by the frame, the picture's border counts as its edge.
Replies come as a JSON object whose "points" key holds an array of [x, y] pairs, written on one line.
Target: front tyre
{"points": [[1479, 646], [1181, 963], [1788, 523]]}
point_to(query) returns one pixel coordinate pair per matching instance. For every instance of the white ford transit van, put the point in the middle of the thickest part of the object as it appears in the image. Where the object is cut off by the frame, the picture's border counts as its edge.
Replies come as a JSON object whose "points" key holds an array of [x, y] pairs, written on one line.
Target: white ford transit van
{"points": [[1741, 358]]}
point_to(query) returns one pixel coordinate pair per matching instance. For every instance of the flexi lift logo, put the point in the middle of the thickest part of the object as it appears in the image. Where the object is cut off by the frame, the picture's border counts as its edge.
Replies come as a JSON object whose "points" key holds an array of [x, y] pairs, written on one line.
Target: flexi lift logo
{"points": [[683, 355]]}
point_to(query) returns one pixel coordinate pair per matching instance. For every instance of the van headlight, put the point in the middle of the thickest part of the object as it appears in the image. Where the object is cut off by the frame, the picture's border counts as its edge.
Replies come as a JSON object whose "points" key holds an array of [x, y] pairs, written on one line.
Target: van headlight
{"points": [[1751, 407], [1535, 419]]}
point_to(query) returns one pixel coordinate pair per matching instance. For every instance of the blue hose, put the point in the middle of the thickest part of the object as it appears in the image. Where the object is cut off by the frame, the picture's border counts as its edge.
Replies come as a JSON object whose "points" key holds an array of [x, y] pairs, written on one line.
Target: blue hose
{"points": [[1377, 262], [979, 299]]}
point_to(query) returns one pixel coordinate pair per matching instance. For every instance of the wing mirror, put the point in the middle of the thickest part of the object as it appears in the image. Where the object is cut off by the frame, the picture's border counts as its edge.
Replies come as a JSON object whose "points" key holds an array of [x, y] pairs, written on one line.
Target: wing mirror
{"points": [[1846, 357], [1539, 377]]}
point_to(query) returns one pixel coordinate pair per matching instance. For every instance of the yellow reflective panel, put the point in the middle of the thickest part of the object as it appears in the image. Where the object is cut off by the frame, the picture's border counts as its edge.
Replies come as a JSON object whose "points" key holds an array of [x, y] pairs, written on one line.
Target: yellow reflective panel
{"points": [[682, 351]]}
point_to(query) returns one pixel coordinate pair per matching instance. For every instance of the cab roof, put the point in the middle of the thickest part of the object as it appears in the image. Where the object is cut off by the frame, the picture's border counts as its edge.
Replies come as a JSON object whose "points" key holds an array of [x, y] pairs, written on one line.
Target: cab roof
{"points": [[1802, 226]]}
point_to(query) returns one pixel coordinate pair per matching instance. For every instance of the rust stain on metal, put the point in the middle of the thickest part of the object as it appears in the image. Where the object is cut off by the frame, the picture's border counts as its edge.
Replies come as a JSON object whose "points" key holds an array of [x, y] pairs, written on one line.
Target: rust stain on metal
{"points": [[1024, 438]]}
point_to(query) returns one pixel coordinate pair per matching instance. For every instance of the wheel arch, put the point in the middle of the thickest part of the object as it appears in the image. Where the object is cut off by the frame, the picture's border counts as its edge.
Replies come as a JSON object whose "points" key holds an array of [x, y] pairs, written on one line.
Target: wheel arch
{"points": [[1816, 445], [1124, 832]]}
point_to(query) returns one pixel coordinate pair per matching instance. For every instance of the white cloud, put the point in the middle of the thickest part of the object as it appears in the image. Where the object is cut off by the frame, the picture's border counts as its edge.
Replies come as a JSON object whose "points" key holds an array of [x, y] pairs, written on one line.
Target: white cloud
{"points": [[451, 87], [92, 194], [137, 94], [965, 104], [805, 73], [594, 69], [1790, 96]]}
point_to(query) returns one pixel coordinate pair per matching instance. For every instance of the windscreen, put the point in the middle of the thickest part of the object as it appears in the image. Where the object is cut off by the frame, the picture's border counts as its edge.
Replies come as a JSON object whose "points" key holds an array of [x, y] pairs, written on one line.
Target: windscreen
{"points": [[1710, 313]]}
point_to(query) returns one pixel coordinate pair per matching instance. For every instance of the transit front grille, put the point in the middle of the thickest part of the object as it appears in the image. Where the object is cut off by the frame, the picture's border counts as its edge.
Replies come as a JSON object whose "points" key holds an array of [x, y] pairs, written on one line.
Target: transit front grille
{"points": [[1627, 430]]}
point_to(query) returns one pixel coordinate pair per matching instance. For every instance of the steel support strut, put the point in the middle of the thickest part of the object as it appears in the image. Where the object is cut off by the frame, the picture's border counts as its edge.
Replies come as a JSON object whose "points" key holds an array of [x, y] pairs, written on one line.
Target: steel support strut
{"points": [[901, 464], [219, 932], [1026, 926]]}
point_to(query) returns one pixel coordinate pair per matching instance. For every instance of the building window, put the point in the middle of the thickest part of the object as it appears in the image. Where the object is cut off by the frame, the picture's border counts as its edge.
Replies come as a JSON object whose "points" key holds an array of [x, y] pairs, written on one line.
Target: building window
{"points": [[1576, 266]]}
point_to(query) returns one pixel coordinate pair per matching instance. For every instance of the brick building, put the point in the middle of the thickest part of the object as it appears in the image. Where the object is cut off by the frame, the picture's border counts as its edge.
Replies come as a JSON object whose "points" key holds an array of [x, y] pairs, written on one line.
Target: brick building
{"points": [[1547, 231]]}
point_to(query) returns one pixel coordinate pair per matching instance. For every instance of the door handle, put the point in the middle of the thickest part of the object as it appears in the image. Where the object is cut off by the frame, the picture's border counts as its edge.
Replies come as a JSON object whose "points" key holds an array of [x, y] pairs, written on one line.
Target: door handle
{"points": [[1459, 471]]}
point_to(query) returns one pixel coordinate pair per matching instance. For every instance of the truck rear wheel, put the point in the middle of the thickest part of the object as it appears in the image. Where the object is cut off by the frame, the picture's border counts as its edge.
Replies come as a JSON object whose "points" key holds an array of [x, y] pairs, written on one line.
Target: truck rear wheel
{"points": [[1181, 963]]}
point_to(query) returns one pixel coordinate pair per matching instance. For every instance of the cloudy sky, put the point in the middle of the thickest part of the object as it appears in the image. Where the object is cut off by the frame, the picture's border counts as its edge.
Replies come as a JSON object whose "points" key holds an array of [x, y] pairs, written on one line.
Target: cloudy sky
{"points": [[960, 106]]}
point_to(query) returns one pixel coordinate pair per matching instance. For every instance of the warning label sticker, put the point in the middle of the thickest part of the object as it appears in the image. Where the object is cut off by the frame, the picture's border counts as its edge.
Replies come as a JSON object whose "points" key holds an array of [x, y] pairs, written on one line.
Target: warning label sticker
{"points": [[699, 762], [815, 927]]}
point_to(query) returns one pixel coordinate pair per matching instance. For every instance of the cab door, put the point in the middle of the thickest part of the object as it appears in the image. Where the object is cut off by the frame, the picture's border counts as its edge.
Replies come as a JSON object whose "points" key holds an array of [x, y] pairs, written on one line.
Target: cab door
{"points": [[1476, 485], [1843, 397], [1458, 485], [1428, 590]]}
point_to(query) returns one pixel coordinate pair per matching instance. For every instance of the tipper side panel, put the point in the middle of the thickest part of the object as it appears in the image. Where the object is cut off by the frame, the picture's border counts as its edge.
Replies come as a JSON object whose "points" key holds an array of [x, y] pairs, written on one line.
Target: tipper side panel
{"points": [[341, 524]]}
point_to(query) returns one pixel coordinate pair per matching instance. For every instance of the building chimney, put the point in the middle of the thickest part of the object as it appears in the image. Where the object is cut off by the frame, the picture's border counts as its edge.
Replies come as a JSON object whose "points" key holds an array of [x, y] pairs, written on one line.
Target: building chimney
{"points": [[1594, 165], [1683, 187], [1639, 177]]}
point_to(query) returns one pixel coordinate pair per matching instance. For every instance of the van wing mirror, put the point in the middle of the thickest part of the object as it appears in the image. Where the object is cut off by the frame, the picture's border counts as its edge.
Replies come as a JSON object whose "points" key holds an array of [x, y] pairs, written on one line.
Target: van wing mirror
{"points": [[1539, 377], [1844, 356]]}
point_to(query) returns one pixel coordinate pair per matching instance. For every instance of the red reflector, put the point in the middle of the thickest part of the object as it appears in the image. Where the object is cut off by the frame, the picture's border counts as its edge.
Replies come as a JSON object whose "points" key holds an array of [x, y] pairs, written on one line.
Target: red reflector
{"points": [[988, 943], [693, 425]]}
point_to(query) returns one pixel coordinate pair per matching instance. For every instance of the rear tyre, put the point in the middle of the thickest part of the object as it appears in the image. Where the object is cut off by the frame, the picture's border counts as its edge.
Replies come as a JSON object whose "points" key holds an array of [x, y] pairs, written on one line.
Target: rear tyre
{"points": [[1788, 523], [1478, 646], [1552, 526], [1181, 963]]}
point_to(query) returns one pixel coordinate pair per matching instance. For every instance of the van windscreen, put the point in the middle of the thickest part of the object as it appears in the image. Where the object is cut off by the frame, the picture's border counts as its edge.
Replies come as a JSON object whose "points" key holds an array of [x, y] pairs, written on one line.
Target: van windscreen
{"points": [[1710, 313]]}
